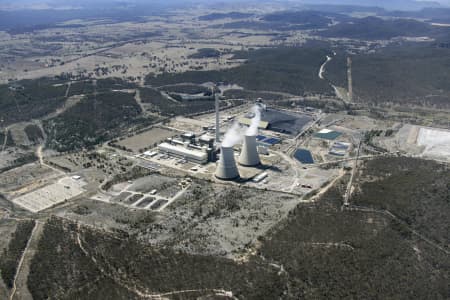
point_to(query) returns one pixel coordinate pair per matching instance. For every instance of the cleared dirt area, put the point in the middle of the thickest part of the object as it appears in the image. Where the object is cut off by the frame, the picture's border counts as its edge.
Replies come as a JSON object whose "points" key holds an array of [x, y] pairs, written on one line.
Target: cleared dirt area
{"points": [[436, 142], [40, 199], [218, 219], [164, 186], [20, 177], [428, 142], [146, 139]]}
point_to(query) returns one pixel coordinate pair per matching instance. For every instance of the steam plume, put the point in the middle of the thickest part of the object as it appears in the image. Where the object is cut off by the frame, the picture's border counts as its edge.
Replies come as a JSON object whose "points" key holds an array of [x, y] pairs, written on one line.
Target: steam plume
{"points": [[253, 129], [232, 136]]}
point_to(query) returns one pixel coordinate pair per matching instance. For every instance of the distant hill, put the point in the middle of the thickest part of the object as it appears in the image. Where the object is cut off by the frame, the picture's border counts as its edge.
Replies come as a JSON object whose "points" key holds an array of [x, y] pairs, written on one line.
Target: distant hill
{"points": [[290, 70], [345, 8], [219, 16], [435, 15], [373, 28], [386, 4], [289, 20], [408, 74], [299, 17]]}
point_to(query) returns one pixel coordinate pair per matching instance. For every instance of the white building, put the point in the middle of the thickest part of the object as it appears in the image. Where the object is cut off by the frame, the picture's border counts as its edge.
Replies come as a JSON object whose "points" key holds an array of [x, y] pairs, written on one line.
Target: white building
{"points": [[190, 154]]}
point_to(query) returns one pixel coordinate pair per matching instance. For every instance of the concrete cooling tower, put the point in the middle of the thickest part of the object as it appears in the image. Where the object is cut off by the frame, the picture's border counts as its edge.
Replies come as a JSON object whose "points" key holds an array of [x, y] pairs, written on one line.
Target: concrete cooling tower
{"points": [[227, 169], [249, 155]]}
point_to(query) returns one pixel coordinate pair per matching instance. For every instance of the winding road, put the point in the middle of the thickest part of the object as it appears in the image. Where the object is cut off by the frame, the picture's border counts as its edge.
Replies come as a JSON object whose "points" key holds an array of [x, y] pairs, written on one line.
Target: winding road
{"points": [[322, 67]]}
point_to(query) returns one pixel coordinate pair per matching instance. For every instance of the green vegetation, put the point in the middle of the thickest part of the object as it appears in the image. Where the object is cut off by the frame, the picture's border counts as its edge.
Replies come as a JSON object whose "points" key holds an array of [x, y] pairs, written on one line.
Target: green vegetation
{"points": [[291, 70], [409, 74], [86, 87], [51, 276], [251, 95], [289, 20], [10, 257], [62, 270], [92, 121], [205, 53], [333, 254], [318, 252], [373, 28], [29, 99], [416, 191], [308, 19], [219, 16], [81, 88], [153, 96], [22, 160], [9, 141], [167, 107], [34, 133], [191, 89]]}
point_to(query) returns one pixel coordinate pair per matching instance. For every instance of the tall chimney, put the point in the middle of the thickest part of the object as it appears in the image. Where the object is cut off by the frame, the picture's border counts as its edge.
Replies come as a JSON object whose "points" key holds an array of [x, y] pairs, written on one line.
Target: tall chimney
{"points": [[227, 169], [216, 96], [249, 155]]}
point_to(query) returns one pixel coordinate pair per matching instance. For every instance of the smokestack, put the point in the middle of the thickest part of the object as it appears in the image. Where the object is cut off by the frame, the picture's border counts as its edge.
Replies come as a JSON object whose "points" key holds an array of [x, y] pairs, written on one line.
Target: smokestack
{"points": [[249, 155], [216, 98], [227, 169]]}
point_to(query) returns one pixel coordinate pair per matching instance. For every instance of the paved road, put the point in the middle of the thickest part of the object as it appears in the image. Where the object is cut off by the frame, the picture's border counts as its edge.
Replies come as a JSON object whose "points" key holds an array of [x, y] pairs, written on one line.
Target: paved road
{"points": [[322, 67]]}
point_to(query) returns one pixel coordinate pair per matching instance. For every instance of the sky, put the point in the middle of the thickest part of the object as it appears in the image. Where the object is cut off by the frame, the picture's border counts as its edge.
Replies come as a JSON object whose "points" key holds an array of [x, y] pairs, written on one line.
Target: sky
{"points": [[42, 4]]}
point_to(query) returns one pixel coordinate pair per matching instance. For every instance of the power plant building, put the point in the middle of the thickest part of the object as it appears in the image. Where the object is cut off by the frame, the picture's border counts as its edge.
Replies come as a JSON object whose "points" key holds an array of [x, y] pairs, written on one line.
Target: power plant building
{"points": [[198, 155]]}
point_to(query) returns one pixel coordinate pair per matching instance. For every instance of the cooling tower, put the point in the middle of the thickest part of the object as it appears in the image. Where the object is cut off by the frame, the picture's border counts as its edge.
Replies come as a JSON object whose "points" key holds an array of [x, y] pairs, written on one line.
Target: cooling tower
{"points": [[227, 169], [249, 155]]}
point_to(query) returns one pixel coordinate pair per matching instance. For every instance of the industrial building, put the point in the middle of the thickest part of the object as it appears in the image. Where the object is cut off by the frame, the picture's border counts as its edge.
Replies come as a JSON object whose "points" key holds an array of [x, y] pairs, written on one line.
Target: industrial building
{"points": [[199, 151], [190, 154]]}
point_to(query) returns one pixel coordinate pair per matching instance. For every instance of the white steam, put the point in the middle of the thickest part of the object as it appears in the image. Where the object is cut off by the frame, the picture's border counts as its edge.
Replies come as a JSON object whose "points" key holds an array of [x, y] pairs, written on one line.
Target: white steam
{"points": [[253, 129], [236, 133], [233, 136]]}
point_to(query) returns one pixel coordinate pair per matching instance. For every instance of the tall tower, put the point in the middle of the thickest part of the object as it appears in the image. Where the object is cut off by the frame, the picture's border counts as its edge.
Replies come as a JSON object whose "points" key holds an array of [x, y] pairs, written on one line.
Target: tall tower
{"points": [[349, 79], [249, 154], [217, 98], [226, 167]]}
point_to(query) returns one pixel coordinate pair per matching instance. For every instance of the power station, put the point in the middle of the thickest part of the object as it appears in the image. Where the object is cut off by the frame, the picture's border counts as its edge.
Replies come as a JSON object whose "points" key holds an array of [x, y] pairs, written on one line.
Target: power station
{"points": [[208, 148]]}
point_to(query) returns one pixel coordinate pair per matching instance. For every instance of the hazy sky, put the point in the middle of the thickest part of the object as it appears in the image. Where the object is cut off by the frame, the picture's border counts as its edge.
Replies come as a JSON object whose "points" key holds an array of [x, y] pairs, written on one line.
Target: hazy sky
{"points": [[72, 3]]}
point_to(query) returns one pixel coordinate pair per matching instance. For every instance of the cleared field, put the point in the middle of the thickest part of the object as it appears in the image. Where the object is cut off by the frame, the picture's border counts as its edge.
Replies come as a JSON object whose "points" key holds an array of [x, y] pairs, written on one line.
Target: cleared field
{"points": [[146, 139], [40, 199], [23, 176], [165, 186], [436, 142]]}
